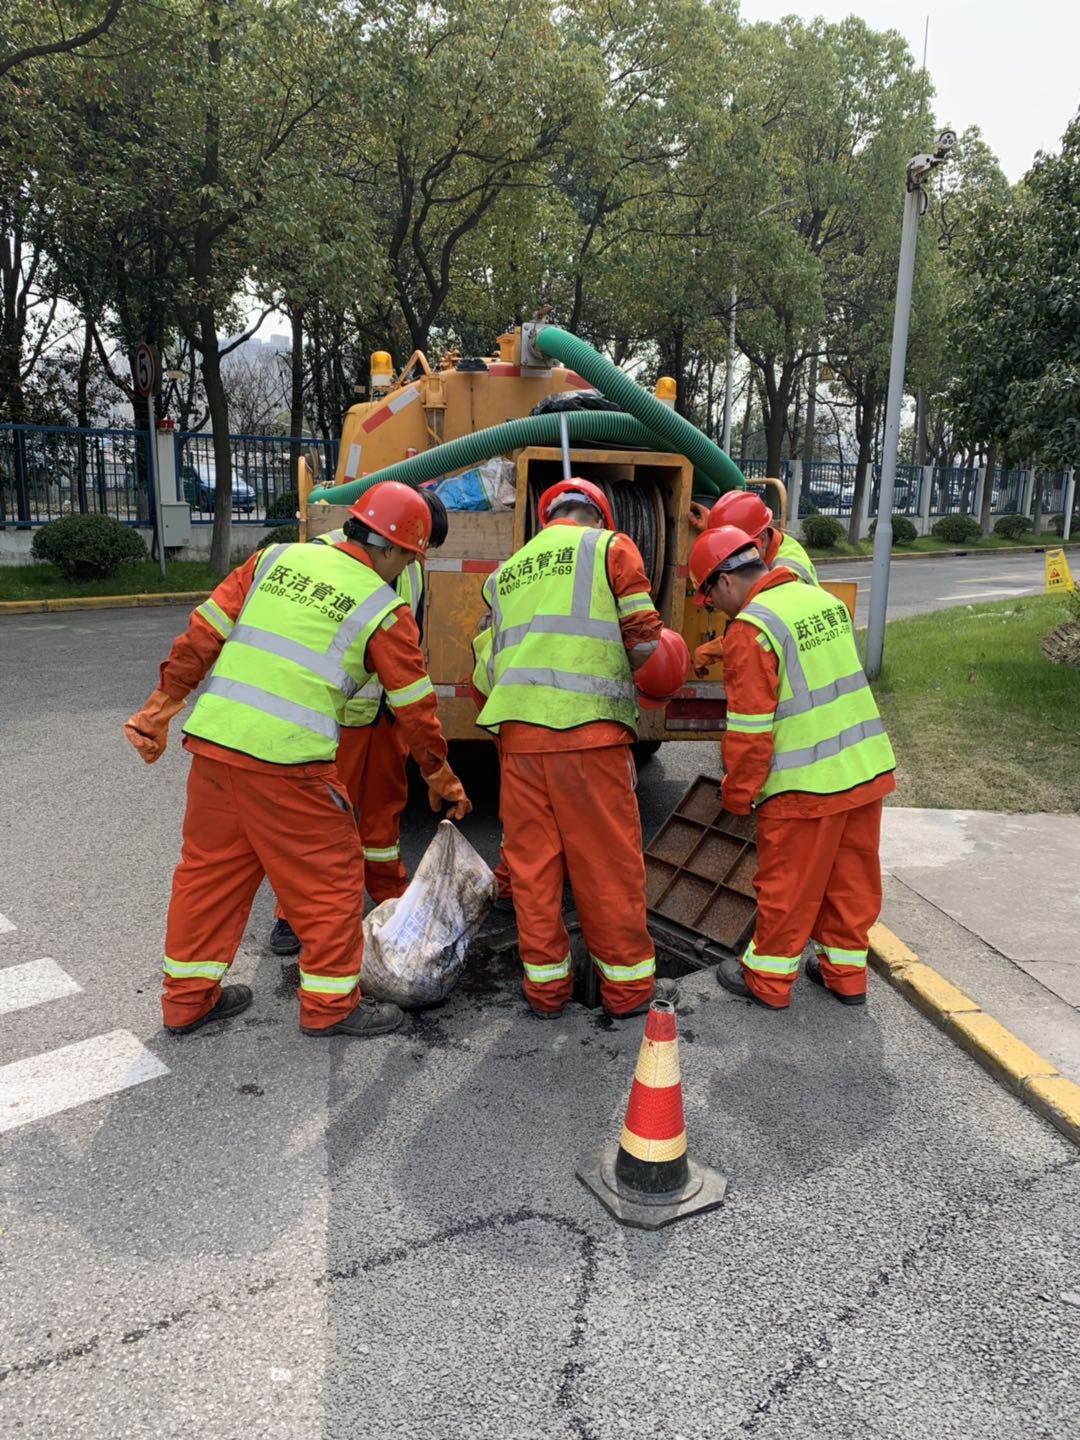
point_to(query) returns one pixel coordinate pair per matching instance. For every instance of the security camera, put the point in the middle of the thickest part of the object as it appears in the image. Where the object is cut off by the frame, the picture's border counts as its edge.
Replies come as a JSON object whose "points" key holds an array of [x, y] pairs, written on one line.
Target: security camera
{"points": [[944, 143]]}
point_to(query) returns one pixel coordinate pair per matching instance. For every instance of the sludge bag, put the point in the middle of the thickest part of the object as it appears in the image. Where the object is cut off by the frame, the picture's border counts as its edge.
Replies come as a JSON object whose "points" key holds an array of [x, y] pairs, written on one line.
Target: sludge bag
{"points": [[414, 947]]}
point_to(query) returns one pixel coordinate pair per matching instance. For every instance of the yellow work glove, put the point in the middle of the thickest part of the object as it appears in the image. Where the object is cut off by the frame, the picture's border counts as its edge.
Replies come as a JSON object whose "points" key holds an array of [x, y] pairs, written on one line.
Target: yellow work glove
{"points": [[148, 728], [442, 785]]}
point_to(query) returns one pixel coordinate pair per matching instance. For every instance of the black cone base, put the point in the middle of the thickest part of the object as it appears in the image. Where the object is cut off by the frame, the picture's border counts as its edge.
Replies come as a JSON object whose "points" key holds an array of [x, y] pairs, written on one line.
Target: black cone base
{"points": [[704, 1190]]}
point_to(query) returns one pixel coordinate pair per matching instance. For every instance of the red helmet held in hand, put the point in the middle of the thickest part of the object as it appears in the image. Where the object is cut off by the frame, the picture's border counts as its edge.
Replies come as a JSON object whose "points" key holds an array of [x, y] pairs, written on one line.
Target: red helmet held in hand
{"points": [[711, 553], [398, 513], [584, 491], [744, 509], [664, 672]]}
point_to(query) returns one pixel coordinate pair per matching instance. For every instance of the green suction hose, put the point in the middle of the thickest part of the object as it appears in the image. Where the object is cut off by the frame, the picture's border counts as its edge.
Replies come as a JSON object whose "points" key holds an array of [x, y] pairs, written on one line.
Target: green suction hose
{"points": [[600, 425], [682, 438]]}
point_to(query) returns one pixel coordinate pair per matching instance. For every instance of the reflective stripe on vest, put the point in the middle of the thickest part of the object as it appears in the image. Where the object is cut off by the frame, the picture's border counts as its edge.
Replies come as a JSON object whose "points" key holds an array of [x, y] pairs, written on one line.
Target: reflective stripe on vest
{"points": [[827, 734], [363, 709], [295, 656], [792, 556], [554, 655]]}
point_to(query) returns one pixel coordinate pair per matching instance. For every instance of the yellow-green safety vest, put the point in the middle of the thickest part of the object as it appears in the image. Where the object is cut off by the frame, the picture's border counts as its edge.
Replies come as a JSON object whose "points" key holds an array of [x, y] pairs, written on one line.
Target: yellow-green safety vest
{"points": [[793, 557], [294, 657], [554, 654], [363, 708], [827, 733]]}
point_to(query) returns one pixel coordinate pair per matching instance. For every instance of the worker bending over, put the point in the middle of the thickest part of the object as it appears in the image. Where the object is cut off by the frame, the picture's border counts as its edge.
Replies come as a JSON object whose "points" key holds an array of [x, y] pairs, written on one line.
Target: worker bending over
{"points": [[806, 748], [292, 635], [572, 619], [748, 512], [372, 754]]}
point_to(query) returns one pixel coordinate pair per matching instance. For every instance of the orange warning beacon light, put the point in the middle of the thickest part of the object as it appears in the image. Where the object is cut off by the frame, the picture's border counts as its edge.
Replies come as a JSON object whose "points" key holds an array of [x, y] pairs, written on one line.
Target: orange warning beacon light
{"points": [[648, 1180]]}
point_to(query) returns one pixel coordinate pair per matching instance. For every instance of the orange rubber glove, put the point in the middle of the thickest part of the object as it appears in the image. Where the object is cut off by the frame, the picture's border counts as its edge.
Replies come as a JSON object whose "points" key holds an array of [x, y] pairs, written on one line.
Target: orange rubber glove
{"points": [[699, 516], [148, 728], [442, 785], [706, 656]]}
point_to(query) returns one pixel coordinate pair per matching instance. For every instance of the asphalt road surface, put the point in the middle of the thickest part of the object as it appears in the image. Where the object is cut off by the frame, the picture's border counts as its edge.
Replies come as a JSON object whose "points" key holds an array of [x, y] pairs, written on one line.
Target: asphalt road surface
{"points": [[253, 1233], [916, 586]]}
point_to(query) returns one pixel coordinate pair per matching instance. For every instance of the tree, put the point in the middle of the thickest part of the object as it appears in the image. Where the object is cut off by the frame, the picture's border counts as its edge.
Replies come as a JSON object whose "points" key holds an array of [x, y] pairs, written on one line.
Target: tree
{"points": [[47, 32]]}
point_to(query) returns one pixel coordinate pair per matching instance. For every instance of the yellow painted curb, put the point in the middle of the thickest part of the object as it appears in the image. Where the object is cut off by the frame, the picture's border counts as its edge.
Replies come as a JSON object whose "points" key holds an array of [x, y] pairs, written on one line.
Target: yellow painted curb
{"points": [[1009, 1060], [101, 602]]}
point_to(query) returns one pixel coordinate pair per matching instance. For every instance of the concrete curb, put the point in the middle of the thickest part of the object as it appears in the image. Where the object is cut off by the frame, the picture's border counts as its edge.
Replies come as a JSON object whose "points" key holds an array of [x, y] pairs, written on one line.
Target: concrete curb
{"points": [[101, 602], [1038, 1083], [945, 554]]}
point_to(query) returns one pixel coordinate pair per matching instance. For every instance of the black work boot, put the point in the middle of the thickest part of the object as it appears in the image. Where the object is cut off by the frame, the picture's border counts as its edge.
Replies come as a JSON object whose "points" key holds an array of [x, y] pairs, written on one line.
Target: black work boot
{"points": [[729, 974], [284, 939], [813, 970], [232, 1000], [370, 1018]]}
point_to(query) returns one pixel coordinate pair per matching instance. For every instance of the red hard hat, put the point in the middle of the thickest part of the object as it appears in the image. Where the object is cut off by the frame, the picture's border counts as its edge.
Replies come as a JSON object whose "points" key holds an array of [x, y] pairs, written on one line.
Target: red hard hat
{"points": [[742, 508], [589, 494], [398, 513], [664, 672], [711, 550]]}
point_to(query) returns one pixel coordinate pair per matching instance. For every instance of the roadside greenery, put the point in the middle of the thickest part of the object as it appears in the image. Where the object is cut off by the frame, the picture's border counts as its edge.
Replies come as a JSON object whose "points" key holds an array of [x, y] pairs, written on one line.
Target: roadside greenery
{"points": [[46, 582], [88, 547], [979, 718]]}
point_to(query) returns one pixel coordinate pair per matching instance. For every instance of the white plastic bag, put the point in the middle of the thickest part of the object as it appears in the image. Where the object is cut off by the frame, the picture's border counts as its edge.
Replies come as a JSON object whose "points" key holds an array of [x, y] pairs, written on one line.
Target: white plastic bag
{"points": [[414, 947]]}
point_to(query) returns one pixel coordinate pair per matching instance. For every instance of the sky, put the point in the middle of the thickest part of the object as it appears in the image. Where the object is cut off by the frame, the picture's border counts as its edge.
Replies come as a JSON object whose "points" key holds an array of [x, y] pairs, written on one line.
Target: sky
{"points": [[1008, 66]]}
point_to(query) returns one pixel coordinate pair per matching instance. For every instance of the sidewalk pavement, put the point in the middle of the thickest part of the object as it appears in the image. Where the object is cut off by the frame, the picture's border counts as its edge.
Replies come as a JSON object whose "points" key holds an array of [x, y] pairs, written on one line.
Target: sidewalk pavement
{"points": [[992, 902]]}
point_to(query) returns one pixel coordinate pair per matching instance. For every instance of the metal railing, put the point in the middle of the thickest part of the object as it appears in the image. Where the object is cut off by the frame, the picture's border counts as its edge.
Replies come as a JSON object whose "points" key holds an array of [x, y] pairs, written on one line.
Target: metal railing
{"points": [[263, 467], [48, 471]]}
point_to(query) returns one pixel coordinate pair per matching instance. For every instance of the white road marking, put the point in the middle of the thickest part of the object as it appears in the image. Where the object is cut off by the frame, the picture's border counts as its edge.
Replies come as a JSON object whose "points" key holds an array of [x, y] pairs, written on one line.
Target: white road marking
{"points": [[33, 984], [73, 1075], [987, 594], [6, 925]]}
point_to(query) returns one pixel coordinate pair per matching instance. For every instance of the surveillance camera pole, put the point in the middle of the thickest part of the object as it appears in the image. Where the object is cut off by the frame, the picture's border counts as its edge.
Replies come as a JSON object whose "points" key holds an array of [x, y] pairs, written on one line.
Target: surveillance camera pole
{"points": [[918, 170]]}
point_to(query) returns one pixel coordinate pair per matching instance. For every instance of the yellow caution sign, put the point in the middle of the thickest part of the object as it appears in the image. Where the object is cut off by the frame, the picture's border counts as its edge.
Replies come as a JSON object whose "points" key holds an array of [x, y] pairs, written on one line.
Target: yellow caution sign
{"points": [[1058, 575]]}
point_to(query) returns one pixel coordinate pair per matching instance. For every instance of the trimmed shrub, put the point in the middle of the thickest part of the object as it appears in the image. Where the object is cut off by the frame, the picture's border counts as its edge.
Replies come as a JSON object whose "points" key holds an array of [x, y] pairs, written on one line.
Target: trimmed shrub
{"points": [[283, 507], [807, 507], [903, 531], [1011, 527], [957, 529], [87, 547], [822, 532], [1056, 525], [281, 535]]}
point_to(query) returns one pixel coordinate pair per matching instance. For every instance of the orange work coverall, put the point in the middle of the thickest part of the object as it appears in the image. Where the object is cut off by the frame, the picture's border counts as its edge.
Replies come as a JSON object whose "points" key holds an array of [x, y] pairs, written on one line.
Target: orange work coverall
{"points": [[819, 869], [247, 818], [568, 808]]}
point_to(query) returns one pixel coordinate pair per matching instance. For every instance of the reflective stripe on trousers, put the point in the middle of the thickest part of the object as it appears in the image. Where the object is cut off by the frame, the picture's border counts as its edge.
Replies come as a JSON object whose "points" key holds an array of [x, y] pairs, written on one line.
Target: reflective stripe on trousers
{"points": [[380, 856], [624, 974], [542, 974], [770, 964]]}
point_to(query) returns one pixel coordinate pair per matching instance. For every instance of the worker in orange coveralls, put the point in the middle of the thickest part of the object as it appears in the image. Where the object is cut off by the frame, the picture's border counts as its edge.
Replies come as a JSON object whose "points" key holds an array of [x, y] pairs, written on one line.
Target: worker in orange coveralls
{"points": [[806, 749], [291, 635], [572, 619], [372, 754]]}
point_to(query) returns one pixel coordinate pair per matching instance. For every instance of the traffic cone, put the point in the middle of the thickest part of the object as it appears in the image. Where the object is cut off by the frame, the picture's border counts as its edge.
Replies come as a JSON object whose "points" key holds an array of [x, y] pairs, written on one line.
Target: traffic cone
{"points": [[648, 1180]]}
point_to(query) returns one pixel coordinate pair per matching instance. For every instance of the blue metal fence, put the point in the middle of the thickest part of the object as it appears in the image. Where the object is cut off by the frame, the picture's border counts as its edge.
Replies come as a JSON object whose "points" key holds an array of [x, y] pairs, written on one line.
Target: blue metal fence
{"points": [[262, 469], [47, 471]]}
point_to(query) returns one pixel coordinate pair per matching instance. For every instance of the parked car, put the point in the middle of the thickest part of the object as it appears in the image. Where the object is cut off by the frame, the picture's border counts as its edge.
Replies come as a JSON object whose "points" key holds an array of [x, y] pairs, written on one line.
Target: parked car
{"points": [[199, 481]]}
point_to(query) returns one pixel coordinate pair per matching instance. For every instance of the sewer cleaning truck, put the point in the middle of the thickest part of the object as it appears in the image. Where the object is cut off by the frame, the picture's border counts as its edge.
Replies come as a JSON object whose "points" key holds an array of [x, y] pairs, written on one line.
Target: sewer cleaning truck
{"points": [[547, 405]]}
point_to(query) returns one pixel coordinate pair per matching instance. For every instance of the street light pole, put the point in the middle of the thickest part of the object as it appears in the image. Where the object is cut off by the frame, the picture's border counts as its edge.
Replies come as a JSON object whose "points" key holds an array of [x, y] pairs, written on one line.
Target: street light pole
{"points": [[725, 439], [918, 170]]}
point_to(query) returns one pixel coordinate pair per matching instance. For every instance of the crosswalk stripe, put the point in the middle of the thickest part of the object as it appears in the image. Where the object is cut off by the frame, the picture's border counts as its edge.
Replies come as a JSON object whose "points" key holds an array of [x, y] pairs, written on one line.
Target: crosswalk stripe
{"points": [[73, 1075], [6, 925], [33, 984]]}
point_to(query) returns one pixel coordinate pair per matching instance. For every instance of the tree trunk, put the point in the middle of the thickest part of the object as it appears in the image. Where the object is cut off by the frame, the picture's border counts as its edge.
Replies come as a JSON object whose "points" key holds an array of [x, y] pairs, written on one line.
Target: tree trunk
{"points": [[677, 349], [865, 417], [317, 372], [919, 447], [808, 424], [218, 405], [988, 489], [1037, 508], [82, 414], [296, 391], [744, 438]]}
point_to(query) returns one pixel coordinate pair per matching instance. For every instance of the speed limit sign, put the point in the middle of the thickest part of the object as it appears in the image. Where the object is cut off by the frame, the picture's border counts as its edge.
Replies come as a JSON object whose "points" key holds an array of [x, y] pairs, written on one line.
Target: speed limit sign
{"points": [[145, 370]]}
